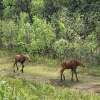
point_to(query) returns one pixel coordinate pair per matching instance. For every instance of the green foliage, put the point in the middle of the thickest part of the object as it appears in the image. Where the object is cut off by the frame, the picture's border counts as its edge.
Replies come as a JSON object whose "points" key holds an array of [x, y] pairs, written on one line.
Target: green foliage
{"points": [[43, 35], [51, 28], [24, 29], [25, 90], [37, 7], [60, 47], [9, 30], [9, 9], [34, 37], [40, 26]]}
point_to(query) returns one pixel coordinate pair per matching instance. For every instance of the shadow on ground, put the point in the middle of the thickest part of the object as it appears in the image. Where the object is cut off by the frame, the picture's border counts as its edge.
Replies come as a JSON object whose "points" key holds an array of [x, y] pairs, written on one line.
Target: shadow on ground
{"points": [[93, 83]]}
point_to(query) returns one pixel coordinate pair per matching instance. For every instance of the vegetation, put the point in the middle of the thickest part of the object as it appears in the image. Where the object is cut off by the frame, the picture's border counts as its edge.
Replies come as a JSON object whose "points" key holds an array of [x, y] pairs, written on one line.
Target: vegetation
{"points": [[25, 90], [60, 28], [41, 82], [49, 31]]}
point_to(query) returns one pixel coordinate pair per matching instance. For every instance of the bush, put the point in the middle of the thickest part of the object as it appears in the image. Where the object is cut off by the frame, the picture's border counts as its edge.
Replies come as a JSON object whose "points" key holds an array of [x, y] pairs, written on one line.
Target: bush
{"points": [[60, 47], [43, 35]]}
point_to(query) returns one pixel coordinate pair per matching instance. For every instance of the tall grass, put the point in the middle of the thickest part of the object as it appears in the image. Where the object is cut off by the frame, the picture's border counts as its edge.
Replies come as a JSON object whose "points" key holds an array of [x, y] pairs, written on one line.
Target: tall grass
{"points": [[37, 59], [12, 88], [18, 89]]}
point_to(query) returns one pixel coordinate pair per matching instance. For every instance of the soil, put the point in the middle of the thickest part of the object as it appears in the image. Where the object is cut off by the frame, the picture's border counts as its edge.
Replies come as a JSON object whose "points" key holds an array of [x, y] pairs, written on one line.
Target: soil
{"points": [[87, 83]]}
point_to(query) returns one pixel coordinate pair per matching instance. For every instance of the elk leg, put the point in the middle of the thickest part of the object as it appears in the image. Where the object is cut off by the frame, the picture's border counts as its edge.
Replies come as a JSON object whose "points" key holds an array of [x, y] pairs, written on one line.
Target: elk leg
{"points": [[14, 66], [76, 75], [22, 67], [62, 75], [17, 66], [72, 74]]}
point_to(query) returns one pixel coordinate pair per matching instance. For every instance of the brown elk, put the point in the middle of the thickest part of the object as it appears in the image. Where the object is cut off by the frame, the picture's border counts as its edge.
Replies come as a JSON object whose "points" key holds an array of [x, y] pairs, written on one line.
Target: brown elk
{"points": [[20, 58], [72, 65]]}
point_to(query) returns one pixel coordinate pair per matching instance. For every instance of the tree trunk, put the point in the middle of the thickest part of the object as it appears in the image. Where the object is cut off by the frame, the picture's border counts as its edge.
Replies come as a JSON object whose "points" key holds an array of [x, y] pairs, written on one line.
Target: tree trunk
{"points": [[1, 43]]}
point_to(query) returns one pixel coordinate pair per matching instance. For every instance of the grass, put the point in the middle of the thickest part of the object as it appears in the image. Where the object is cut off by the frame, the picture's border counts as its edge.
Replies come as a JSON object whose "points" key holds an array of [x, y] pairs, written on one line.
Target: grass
{"points": [[18, 89], [41, 81]]}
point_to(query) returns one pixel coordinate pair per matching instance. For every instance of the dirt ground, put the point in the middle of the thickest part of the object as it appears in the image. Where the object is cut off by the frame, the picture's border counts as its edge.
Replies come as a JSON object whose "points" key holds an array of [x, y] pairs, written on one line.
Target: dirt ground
{"points": [[86, 82], [51, 75]]}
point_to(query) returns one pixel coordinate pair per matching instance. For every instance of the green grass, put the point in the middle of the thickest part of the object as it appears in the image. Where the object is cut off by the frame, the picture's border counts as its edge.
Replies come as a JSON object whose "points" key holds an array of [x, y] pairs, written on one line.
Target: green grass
{"points": [[40, 81], [18, 89]]}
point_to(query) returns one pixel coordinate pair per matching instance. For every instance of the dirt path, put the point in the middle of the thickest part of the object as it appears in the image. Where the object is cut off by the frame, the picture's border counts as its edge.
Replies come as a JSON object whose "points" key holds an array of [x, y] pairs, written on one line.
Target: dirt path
{"points": [[87, 83]]}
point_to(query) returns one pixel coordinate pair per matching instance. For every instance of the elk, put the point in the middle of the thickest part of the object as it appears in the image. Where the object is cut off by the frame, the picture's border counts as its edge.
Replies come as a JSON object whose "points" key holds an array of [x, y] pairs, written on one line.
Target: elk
{"points": [[72, 65], [20, 58]]}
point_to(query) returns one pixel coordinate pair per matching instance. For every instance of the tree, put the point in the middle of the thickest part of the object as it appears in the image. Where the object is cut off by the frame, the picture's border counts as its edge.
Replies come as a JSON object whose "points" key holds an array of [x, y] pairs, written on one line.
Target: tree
{"points": [[9, 33]]}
